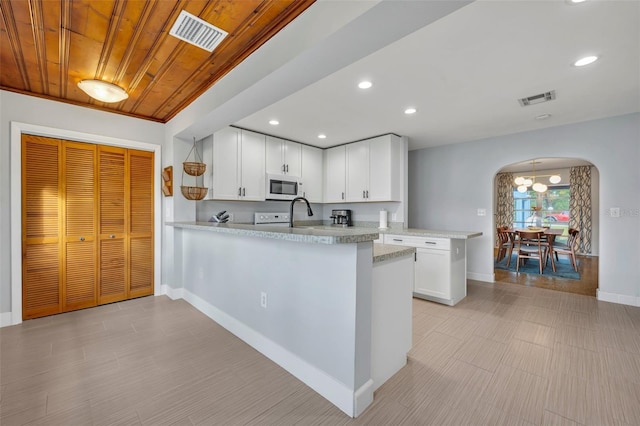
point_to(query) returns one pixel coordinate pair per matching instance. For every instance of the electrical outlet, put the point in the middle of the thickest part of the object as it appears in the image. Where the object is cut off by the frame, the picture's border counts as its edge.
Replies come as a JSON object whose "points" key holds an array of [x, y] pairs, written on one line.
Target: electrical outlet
{"points": [[263, 299], [230, 217], [394, 217], [482, 212], [614, 211]]}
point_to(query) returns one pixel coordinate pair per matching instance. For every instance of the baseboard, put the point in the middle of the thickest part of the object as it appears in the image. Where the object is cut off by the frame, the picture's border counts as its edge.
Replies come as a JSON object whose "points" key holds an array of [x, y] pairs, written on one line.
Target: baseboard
{"points": [[489, 278], [618, 298], [6, 319], [352, 402], [172, 293]]}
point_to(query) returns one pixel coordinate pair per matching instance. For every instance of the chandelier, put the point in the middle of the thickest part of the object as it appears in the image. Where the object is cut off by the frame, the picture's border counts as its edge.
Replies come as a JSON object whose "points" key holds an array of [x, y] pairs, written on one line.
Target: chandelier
{"points": [[526, 182]]}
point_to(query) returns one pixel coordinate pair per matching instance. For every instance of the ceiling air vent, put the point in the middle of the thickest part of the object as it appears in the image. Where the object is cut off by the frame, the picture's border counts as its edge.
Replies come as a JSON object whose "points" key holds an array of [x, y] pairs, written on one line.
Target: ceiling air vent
{"points": [[197, 32], [537, 99]]}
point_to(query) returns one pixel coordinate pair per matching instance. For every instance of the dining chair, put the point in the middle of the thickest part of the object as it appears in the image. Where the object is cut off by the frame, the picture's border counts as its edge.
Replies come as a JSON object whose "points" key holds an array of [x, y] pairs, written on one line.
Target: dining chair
{"points": [[569, 248], [505, 244], [530, 245]]}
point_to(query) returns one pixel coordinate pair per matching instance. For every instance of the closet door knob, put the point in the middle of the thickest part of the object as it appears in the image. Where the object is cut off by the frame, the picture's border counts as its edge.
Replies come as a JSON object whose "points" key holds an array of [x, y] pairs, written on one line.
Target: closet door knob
{"points": [[81, 238], [112, 236]]}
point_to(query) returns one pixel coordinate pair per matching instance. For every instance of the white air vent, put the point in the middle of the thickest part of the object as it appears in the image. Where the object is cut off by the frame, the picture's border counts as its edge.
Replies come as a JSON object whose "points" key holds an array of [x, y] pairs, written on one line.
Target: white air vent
{"points": [[537, 99], [197, 32]]}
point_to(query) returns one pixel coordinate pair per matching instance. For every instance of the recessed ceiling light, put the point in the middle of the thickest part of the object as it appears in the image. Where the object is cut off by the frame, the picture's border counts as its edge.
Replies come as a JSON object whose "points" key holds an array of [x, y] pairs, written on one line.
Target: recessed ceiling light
{"points": [[576, 1], [365, 84], [410, 111], [274, 122], [322, 136], [585, 61], [543, 116]]}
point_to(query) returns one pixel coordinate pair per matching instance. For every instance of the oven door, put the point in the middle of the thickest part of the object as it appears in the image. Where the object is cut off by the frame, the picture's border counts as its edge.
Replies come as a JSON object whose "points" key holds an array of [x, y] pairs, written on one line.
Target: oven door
{"points": [[281, 187]]}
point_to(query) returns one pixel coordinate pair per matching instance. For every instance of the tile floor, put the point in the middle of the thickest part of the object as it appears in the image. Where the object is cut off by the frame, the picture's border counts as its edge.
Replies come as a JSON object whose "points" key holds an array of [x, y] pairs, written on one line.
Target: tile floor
{"points": [[506, 355]]}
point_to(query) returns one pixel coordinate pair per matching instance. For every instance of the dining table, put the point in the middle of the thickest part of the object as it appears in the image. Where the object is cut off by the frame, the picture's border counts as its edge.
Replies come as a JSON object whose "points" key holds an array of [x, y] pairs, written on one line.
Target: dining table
{"points": [[549, 233]]}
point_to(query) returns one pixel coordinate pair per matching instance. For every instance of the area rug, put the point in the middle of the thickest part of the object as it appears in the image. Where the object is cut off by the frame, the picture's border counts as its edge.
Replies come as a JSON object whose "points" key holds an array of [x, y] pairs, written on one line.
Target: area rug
{"points": [[563, 268]]}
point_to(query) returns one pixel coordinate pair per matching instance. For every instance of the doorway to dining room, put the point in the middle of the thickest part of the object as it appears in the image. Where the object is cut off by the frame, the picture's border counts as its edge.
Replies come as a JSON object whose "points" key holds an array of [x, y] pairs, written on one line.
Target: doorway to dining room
{"points": [[554, 194]]}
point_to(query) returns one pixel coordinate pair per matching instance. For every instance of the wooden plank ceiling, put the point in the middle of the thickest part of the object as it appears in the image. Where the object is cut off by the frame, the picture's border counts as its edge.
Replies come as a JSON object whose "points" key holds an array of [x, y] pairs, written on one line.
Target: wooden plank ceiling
{"points": [[48, 46]]}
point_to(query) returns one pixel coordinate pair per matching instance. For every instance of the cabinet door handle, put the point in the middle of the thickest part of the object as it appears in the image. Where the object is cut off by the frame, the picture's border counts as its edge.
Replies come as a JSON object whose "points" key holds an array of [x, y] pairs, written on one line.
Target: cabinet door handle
{"points": [[287, 168], [239, 191], [244, 192], [363, 196], [367, 194], [430, 242], [112, 236], [283, 168], [81, 238], [398, 240], [343, 195]]}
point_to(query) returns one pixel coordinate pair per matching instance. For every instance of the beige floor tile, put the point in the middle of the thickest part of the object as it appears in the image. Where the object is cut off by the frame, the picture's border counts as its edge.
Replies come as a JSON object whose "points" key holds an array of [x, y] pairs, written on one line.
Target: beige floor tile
{"points": [[621, 364], [553, 419], [577, 362], [535, 333], [580, 337], [567, 397], [436, 349], [613, 401], [158, 361], [459, 327], [619, 339], [481, 352], [517, 392], [529, 357], [493, 328]]}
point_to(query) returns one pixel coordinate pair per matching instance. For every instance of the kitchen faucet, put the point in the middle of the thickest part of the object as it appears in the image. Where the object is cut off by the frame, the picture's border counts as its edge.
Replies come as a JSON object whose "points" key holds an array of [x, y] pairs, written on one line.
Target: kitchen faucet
{"points": [[309, 211]]}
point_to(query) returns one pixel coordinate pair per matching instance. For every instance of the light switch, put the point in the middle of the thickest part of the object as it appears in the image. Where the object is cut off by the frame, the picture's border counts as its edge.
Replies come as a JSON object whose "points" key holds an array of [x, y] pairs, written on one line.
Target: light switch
{"points": [[482, 212], [614, 212]]}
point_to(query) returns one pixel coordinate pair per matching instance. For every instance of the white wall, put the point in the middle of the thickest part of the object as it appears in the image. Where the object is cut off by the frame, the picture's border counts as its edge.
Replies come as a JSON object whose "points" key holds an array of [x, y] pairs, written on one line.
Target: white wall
{"points": [[55, 115], [447, 185]]}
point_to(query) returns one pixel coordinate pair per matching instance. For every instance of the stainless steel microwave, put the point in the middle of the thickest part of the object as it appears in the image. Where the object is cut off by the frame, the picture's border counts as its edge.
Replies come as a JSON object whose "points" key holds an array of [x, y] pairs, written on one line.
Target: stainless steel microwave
{"points": [[281, 187]]}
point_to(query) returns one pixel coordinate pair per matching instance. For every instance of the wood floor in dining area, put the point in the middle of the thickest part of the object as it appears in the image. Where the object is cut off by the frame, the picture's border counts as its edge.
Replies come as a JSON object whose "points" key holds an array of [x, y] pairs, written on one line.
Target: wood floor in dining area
{"points": [[587, 284], [505, 355]]}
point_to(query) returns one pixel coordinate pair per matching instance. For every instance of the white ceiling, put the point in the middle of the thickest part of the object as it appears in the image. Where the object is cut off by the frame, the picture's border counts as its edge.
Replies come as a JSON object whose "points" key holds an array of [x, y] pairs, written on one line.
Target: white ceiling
{"points": [[465, 72]]}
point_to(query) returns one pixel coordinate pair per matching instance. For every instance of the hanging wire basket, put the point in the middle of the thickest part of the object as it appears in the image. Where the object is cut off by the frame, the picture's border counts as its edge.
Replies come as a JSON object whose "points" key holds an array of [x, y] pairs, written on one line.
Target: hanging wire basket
{"points": [[193, 168]]}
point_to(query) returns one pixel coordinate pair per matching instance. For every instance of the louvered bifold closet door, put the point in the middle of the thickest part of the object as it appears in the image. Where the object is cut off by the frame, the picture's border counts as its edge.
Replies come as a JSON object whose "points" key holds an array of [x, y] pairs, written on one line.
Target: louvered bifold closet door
{"points": [[80, 225], [113, 187], [41, 227], [140, 223]]}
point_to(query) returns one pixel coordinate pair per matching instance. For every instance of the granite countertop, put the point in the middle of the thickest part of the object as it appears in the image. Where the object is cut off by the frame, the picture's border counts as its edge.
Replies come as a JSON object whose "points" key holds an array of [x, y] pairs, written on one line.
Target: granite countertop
{"points": [[454, 235], [303, 234], [383, 252]]}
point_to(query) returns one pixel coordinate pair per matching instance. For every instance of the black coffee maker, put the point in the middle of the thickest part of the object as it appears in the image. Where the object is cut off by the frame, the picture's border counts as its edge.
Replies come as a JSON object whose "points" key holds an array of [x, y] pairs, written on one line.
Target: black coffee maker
{"points": [[341, 218]]}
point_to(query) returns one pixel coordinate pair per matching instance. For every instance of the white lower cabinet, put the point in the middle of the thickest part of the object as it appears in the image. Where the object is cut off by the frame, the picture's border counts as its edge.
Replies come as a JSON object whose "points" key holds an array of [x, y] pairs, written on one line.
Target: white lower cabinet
{"points": [[440, 267]]}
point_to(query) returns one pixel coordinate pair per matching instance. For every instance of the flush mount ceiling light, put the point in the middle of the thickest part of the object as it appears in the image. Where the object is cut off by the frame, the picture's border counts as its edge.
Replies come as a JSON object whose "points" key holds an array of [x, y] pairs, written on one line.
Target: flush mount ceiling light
{"points": [[103, 91], [410, 111], [524, 182], [274, 122], [365, 84], [322, 136], [585, 61]]}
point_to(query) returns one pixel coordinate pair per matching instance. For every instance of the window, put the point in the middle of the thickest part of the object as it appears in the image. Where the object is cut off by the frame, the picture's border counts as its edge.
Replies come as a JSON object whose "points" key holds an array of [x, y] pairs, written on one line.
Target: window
{"points": [[550, 208]]}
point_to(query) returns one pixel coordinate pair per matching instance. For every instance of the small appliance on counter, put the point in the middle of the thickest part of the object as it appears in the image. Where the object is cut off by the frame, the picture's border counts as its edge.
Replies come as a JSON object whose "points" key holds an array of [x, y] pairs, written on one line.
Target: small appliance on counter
{"points": [[341, 218]]}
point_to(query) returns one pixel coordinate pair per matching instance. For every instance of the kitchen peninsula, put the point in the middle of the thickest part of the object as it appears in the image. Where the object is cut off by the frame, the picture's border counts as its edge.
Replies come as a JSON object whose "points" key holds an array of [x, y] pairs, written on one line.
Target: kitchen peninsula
{"points": [[321, 302]]}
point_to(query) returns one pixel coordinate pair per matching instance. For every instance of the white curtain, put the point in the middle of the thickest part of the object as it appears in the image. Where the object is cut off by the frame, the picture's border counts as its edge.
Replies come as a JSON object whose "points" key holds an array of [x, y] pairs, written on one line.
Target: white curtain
{"points": [[580, 206]]}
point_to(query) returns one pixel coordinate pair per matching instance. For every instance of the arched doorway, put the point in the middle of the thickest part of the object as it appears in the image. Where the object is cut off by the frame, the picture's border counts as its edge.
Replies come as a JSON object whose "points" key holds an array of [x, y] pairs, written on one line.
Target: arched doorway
{"points": [[566, 196]]}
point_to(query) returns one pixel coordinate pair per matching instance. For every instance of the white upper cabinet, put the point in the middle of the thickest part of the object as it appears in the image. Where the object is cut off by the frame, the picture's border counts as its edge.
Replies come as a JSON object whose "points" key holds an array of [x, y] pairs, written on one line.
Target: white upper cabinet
{"points": [[312, 171], [283, 157], [238, 165], [373, 169], [334, 175], [252, 164]]}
